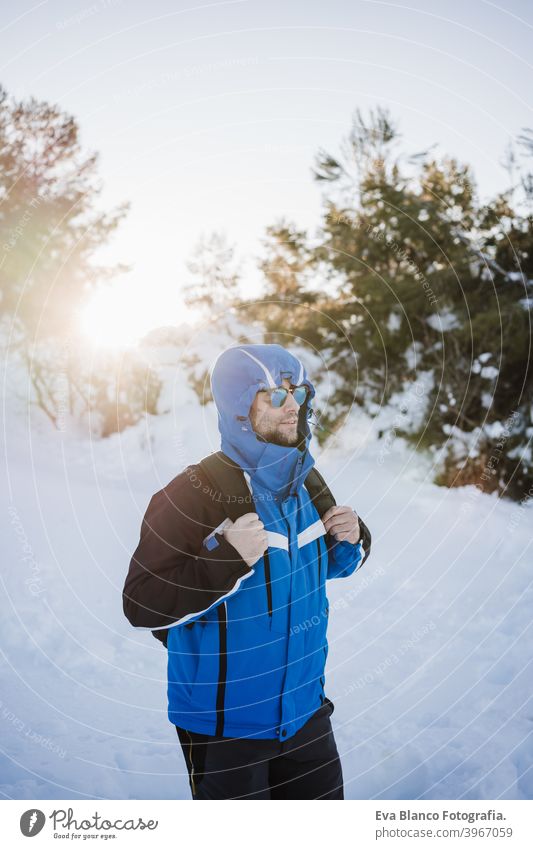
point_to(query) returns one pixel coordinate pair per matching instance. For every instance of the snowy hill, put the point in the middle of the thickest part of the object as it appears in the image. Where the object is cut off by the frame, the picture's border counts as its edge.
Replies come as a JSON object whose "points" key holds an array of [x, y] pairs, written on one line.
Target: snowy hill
{"points": [[431, 643]]}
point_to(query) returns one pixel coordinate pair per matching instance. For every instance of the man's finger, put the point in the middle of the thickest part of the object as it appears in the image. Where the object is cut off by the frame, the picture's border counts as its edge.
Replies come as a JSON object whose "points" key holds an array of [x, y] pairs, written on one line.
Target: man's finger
{"points": [[342, 519], [344, 537], [346, 515], [343, 524], [250, 521], [340, 526], [336, 532], [332, 511]]}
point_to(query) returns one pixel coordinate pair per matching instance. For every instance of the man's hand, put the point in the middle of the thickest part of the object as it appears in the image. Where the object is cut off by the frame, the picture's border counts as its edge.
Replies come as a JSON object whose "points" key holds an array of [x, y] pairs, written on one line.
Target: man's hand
{"points": [[343, 523], [247, 534]]}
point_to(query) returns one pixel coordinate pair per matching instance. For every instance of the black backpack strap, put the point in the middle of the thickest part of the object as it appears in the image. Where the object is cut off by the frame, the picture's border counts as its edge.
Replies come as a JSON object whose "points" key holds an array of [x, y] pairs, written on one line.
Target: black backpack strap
{"points": [[366, 538], [229, 485], [319, 491], [323, 499]]}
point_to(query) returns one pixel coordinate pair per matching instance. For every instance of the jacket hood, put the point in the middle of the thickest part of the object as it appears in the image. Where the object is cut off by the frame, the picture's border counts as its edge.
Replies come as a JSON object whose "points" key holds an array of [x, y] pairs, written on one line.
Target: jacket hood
{"points": [[238, 374]]}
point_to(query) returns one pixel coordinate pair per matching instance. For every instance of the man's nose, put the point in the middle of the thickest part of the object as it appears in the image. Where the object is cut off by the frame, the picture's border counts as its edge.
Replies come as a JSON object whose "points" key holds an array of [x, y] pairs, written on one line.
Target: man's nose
{"points": [[290, 403]]}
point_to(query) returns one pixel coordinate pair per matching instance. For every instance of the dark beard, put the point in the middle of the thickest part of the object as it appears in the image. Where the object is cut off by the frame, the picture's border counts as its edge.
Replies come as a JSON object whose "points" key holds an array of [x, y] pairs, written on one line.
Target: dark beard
{"points": [[278, 438], [287, 442]]}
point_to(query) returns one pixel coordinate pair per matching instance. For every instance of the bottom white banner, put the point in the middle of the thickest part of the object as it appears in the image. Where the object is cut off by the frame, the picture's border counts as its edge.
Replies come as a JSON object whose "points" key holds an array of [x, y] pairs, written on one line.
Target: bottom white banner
{"points": [[352, 823]]}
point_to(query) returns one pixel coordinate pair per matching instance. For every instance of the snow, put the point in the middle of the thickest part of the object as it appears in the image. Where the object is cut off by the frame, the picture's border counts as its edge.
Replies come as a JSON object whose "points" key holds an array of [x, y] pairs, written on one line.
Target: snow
{"points": [[490, 372], [495, 429], [429, 665], [406, 409], [411, 354], [443, 320], [394, 322]]}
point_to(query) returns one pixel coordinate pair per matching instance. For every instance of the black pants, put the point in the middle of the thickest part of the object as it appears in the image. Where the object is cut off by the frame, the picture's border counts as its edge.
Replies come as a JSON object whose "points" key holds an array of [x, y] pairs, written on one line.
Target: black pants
{"points": [[307, 766]]}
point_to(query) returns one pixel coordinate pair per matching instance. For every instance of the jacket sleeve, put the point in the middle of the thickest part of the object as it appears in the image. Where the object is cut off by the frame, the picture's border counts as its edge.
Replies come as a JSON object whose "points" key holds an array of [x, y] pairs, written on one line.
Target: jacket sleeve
{"points": [[175, 575], [344, 558]]}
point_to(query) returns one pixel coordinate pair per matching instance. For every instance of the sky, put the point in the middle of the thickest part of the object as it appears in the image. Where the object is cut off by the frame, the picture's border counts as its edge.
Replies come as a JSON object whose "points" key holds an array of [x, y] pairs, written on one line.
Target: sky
{"points": [[208, 116]]}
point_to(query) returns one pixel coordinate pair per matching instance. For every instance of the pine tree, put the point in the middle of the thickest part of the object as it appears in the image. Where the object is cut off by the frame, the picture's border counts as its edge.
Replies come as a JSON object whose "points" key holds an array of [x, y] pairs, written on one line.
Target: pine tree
{"points": [[215, 274], [432, 292], [428, 287], [50, 226], [50, 229], [289, 268]]}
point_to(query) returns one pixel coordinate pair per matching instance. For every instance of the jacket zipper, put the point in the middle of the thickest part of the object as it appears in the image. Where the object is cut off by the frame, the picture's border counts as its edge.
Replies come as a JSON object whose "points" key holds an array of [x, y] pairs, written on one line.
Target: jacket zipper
{"points": [[193, 786], [222, 666]]}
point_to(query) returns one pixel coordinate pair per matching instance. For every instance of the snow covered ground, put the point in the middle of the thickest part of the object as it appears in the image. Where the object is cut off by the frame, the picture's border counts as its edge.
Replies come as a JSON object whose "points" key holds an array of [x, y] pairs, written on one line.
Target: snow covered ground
{"points": [[431, 643]]}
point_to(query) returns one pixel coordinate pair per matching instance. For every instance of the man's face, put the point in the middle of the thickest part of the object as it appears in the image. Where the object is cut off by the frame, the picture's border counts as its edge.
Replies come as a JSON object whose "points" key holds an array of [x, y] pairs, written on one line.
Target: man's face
{"points": [[276, 424]]}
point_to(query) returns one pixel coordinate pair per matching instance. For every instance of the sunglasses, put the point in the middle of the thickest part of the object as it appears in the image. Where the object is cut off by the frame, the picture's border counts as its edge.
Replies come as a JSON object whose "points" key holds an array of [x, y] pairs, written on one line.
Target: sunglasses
{"points": [[278, 395]]}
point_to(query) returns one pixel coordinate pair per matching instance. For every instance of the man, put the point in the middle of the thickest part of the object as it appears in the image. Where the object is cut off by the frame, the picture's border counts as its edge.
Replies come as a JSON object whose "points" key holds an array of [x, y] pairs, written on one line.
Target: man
{"points": [[242, 604]]}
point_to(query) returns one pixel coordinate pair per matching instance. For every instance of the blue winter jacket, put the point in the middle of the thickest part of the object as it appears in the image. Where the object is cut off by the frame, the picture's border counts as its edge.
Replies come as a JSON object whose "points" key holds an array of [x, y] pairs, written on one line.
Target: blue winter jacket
{"points": [[251, 663]]}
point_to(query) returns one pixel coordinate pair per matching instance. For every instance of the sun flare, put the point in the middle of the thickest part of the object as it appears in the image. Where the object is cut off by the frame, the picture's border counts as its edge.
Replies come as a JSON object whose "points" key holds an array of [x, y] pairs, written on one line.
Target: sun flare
{"points": [[118, 318]]}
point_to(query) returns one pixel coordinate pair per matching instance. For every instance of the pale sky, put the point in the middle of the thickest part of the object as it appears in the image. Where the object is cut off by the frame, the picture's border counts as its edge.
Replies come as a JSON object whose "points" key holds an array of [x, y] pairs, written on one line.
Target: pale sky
{"points": [[208, 115]]}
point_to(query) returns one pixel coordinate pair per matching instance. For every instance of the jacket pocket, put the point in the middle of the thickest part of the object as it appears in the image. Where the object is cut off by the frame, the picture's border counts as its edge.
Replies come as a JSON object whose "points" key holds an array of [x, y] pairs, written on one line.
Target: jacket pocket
{"points": [[184, 655], [268, 586], [222, 667], [319, 560], [208, 691], [253, 606]]}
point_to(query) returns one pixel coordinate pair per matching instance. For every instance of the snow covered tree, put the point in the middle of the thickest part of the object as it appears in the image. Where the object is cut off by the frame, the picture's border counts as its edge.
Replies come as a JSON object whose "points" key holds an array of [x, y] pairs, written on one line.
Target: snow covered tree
{"points": [[428, 286]]}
